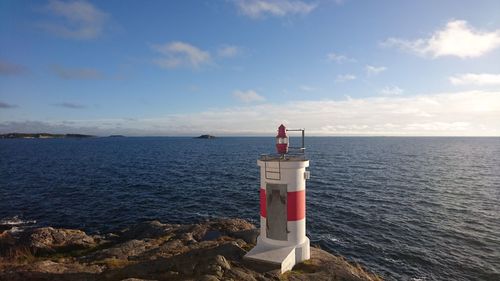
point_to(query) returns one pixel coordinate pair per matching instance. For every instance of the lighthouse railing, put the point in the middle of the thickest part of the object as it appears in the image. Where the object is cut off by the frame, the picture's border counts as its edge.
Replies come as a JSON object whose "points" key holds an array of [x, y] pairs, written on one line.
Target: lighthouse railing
{"points": [[302, 148]]}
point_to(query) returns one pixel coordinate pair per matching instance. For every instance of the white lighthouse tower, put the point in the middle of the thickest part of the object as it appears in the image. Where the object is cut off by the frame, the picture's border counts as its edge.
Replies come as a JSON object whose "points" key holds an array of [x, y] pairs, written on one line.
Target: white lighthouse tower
{"points": [[282, 240]]}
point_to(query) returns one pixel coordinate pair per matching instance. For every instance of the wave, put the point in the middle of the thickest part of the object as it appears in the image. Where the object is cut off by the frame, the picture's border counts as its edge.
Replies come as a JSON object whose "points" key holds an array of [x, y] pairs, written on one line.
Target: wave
{"points": [[14, 223]]}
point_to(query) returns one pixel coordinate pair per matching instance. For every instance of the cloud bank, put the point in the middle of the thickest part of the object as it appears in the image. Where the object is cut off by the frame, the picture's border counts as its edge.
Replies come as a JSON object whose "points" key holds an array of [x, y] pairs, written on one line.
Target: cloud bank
{"points": [[74, 19], [338, 58], [472, 113], [480, 79], [391, 91], [179, 54], [344, 78], [374, 70], [248, 96], [279, 8], [457, 39]]}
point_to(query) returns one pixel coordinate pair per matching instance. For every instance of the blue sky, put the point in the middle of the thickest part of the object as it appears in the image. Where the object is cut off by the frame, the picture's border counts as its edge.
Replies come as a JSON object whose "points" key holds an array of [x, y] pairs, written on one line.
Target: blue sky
{"points": [[243, 67]]}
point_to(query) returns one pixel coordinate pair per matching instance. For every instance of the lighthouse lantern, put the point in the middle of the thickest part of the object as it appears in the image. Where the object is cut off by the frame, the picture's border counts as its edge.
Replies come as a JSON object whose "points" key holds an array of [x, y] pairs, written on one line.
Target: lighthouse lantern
{"points": [[282, 140]]}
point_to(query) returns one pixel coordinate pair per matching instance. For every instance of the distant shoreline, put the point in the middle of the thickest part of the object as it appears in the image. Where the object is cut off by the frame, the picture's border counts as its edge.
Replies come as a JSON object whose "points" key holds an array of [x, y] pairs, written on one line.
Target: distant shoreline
{"points": [[43, 136], [52, 136]]}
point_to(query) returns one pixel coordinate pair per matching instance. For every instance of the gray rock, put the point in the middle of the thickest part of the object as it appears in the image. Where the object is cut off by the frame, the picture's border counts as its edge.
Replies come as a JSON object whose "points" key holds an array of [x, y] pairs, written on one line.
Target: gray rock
{"points": [[50, 240], [248, 235], [211, 235], [156, 251], [229, 250], [124, 250], [240, 274], [209, 278], [222, 262], [137, 279], [187, 238], [149, 229]]}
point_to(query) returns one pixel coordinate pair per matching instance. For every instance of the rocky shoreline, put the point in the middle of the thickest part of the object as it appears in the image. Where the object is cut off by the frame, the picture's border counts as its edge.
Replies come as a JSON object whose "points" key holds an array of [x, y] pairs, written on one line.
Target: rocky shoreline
{"points": [[211, 250]]}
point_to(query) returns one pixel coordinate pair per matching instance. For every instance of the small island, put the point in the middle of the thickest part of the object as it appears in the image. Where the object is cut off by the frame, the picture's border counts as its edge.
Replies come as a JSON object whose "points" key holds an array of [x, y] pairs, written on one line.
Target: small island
{"points": [[205, 137], [42, 136]]}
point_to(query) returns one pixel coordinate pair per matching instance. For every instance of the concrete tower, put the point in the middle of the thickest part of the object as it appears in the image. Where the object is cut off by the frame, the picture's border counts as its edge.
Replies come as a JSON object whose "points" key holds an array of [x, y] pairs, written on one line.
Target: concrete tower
{"points": [[282, 240]]}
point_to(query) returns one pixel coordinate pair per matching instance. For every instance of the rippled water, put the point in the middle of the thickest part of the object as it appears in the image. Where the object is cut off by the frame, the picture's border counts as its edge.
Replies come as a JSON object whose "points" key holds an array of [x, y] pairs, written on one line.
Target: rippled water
{"points": [[407, 208]]}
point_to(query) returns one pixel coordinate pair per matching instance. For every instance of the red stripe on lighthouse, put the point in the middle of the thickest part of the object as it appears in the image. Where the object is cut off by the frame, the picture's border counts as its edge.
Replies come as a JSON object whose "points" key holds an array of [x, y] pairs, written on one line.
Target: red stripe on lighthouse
{"points": [[296, 205], [263, 202]]}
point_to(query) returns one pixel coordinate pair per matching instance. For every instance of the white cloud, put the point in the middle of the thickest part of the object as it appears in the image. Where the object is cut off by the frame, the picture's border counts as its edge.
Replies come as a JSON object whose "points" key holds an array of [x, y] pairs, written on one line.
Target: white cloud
{"points": [[338, 58], [228, 51], [457, 38], [391, 91], [479, 79], [472, 113], [374, 70], [81, 20], [344, 78], [279, 8], [248, 96], [178, 54]]}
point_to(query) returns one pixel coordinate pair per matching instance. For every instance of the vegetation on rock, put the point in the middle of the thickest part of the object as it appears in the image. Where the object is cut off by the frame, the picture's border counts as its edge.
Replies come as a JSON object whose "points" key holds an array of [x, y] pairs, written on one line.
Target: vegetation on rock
{"points": [[210, 250]]}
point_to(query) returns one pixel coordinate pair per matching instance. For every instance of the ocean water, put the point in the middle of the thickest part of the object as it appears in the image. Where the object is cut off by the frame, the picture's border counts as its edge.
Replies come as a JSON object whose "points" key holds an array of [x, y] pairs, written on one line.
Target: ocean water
{"points": [[406, 208]]}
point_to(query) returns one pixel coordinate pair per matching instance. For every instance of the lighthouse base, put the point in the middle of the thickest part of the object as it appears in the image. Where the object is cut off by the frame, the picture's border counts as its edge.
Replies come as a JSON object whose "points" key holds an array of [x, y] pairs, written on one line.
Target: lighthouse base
{"points": [[282, 257]]}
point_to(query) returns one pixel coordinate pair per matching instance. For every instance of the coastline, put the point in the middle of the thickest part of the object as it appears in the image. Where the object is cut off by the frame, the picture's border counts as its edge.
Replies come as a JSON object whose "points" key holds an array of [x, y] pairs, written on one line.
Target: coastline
{"points": [[209, 250]]}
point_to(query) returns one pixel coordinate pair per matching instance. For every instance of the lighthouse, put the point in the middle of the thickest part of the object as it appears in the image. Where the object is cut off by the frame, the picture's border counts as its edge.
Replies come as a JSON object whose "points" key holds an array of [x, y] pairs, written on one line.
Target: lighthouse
{"points": [[282, 241]]}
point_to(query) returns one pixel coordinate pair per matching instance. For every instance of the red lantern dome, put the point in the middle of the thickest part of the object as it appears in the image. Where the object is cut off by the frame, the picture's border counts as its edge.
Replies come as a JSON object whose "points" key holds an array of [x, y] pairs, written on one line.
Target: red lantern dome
{"points": [[282, 140]]}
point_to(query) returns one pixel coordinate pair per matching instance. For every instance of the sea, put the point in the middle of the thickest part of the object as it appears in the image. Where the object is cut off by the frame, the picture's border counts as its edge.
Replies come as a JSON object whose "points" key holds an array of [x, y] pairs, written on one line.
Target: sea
{"points": [[406, 208]]}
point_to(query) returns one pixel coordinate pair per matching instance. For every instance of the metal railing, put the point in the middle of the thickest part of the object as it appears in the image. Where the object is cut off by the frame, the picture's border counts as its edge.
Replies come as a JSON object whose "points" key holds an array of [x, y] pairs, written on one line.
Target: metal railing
{"points": [[302, 148]]}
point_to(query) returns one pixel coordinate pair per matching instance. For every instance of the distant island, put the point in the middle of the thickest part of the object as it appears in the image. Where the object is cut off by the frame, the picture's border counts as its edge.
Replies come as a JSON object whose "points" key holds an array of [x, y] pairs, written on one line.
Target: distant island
{"points": [[42, 136], [116, 136], [206, 137]]}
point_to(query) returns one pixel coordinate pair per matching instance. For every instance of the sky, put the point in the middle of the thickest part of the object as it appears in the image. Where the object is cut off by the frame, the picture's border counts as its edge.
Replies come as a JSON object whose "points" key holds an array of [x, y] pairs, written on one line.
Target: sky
{"points": [[243, 67]]}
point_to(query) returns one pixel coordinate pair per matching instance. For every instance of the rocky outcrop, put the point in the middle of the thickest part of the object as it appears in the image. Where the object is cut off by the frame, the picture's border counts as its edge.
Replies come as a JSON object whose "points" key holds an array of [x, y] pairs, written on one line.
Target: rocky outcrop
{"points": [[211, 250], [48, 240]]}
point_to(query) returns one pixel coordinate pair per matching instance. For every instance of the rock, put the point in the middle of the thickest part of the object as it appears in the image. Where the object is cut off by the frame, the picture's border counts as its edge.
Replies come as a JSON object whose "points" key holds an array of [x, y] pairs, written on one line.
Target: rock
{"points": [[48, 240], [211, 235], [240, 274], [325, 266], [187, 238], [230, 225], [215, 266], [124, 250], [48, 266], [211, 251], [224, 264], [7, 242], [149, 229], [136, 279], [249, 235], [198, 231], [231, 251], [168, 249], [209, 278]]}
